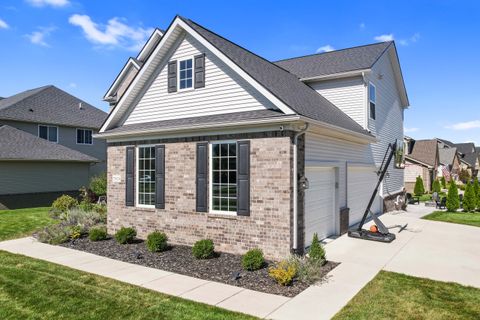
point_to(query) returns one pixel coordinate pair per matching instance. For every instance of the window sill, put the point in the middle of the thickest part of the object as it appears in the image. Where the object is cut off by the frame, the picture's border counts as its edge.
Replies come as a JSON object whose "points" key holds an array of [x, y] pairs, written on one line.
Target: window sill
{"points": [[221, 216], [144, 209]]}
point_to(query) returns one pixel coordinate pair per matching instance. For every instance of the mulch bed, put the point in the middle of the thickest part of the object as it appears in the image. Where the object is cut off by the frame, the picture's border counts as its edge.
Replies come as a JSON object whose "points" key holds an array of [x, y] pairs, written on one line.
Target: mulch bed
{"points": [[179, 259]]}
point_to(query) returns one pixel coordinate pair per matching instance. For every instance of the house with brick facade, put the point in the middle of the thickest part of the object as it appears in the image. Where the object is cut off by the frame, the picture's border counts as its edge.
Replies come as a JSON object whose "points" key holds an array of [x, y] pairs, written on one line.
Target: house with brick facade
{"points": [[422, 160], [209, 140]]}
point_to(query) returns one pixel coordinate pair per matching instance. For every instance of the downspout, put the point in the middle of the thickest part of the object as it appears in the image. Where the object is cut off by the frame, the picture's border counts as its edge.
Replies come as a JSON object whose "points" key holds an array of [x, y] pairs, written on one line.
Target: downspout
{"points": [[295, 186]]}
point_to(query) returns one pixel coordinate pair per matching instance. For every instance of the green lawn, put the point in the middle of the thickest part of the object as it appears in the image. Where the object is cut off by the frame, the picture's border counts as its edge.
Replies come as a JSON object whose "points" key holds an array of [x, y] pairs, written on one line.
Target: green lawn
{"points": [[396, 296], [22, 222], [471, 219], [35, 289]]}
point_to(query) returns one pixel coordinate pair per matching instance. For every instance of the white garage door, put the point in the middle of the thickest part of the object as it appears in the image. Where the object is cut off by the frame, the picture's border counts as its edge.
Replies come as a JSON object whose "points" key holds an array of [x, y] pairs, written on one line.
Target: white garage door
{"points": [[319, 203], [361, 183]]}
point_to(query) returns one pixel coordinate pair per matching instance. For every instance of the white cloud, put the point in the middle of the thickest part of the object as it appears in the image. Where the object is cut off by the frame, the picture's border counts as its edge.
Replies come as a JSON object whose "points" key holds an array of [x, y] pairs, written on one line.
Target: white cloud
{"points": [[3, 24], [465, 125], [53, 3], [114, 34], [384, 37], [326, 48], [38, 37], [410, 130]]}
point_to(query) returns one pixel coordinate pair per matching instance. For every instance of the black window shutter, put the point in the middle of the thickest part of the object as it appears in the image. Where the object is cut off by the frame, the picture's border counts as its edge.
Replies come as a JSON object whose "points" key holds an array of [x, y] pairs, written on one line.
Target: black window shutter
{"points": [[160, 177], [202, 183], [130, 177], [200, 71], [172, 76], [243, 178]]}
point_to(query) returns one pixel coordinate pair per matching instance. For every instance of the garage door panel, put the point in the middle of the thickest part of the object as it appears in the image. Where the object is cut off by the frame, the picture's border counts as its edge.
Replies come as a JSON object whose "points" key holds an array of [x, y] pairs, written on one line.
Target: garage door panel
{"points": [[319, 203], [361, 183]]}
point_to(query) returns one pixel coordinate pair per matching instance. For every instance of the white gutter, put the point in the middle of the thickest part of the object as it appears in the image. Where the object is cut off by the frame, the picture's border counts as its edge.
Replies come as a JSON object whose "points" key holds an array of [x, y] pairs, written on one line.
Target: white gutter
{"points": [[337, 75], [295, 186]]}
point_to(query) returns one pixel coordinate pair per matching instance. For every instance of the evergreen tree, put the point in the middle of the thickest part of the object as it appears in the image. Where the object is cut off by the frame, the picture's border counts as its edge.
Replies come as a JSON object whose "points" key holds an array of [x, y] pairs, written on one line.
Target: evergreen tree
{"points": [[444, 183], [469, 198], [419, 189], [453, 201], [436, 186], [476, 189]]}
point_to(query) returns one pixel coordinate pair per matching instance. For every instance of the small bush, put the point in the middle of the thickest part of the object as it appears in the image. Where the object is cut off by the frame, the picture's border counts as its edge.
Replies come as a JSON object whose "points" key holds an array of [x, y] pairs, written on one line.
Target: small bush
{"points": [[75, 232], [157, 242], [461, 187], [203, 249], [444, 182], [453, 200], [308, 270], [464, 175], [54, 234], [284, 272], [316, 251], [64, 203], [253, 260], [419, 189], [98, 184], [436, 186], [469, 199], [125, 235], [97, 234], [87, 219]]}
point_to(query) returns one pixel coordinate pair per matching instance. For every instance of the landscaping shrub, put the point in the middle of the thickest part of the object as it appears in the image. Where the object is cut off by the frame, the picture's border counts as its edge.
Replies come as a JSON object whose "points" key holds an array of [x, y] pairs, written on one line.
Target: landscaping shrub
{"points": [[157, 241], [125, 235], [464, 176], [476, 189], [253, 260], [75, 232], [453, 200], [97, 234], [98, 184], [419, 188], [316, 251], [283, 272], [308, 270], [461, 187], [203, 249], [64, 203], [436, 186], [54, 234], [469, 199], [86, 219], [444, 183]]}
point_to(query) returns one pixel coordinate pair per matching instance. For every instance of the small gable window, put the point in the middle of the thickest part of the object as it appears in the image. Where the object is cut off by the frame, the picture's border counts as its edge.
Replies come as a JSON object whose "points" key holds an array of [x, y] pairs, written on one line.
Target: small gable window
{"points": [[372, 98], [84, 136], [185, 69], [49, 133]]}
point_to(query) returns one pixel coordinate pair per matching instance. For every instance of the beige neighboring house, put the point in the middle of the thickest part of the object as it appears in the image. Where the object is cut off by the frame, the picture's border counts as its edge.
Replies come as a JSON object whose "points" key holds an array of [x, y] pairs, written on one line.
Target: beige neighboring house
{"points": [[449, 163], [421, 160]]}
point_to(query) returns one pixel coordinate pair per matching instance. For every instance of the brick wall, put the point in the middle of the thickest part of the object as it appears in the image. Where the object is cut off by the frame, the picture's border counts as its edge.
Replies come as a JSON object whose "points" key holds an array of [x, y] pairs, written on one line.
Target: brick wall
{"points": [[268, 227]]}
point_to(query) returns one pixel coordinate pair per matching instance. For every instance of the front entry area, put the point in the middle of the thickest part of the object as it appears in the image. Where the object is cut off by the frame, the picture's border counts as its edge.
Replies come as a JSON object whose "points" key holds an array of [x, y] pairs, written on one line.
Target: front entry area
{"points": [[320, 203]]}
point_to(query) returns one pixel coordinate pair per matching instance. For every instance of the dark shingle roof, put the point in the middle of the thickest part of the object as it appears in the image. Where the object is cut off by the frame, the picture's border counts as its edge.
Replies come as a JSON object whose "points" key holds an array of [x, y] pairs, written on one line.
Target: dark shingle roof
{"points": [[51, 105], [465, 148], [339, 61], [446, 155], [425, 151], [284, 85], [20, 145], [196, 121]]}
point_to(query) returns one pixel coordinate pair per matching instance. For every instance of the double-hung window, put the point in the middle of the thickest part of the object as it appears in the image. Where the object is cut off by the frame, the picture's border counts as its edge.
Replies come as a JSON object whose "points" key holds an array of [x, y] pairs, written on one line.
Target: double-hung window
{"points": [[84, 136], [146, 176], [372, 99], [185, 79], [223, 170], [49, 133]]}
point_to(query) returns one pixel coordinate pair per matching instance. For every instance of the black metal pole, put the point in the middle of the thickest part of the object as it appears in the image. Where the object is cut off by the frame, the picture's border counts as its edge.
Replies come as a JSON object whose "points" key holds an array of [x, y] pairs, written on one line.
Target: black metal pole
{"points": [[392, 148]]}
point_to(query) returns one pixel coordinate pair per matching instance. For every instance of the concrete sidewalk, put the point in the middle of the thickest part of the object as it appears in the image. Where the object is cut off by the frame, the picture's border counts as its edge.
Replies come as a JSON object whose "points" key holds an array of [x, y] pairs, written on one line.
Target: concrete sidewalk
{"points": [[233, 298]]}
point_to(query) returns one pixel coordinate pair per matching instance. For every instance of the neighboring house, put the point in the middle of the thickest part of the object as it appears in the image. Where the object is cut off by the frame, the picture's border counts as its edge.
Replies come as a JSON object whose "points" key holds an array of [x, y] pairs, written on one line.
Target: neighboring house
{"points": [[470, 157], [449, 163], [47, 146], [422, 160], [209, 140]]}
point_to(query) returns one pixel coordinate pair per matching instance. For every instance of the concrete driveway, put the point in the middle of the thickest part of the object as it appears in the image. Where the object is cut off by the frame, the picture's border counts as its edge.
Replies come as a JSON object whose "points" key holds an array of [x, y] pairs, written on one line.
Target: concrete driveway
{"points": [[429, 249]]}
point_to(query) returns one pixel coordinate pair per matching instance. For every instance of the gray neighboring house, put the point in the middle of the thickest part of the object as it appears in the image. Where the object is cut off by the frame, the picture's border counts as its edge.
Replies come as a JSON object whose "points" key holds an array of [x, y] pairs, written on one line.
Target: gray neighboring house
{"points": [[47, 146]]}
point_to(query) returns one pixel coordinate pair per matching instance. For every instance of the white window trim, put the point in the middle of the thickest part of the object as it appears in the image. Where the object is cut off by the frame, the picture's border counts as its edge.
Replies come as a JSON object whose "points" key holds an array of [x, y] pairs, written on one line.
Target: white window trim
{"points": [[369, 101], [48, 126], [137, 176], [193, 73], [210, 180], [76, 137]]}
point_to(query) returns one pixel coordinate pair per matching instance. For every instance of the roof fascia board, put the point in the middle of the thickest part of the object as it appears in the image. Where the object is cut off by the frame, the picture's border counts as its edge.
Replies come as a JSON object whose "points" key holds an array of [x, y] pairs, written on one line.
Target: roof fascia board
{"points": [[118, 80], [339, 75], [196, 127], [147, 48], [178, 22]]}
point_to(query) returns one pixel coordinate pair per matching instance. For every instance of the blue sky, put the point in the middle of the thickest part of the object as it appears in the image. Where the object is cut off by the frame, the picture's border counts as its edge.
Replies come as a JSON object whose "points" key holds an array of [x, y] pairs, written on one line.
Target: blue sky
{"points": [[80, 46]]}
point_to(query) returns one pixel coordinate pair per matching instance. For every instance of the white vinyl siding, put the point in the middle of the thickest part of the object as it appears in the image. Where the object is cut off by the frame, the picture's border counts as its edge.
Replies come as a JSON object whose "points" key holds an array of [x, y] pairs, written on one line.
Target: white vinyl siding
{"points": [[388, 125], [224, 91], [347, 94]]}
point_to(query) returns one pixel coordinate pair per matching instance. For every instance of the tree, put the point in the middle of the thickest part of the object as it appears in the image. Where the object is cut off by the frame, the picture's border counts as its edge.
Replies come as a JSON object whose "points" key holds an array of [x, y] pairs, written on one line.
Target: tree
{"points": [[464, 176], [453, 200], [476, 189], [436, 186], [419, 189], [469, 198], [444, 183]]}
